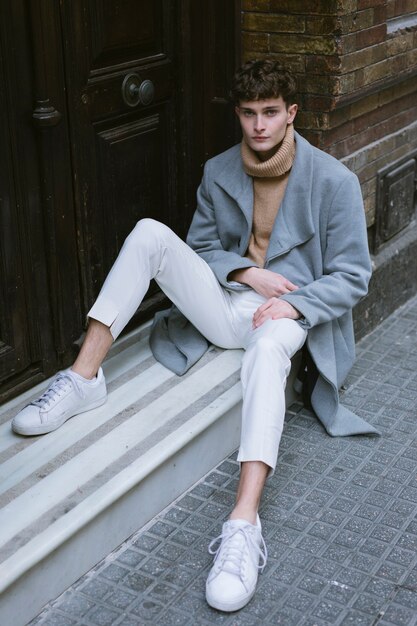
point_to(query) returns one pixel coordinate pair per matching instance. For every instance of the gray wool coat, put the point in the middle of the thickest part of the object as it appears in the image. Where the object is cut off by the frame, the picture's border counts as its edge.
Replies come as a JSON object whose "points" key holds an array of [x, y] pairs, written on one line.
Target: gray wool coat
{"points": [[318, 242]]}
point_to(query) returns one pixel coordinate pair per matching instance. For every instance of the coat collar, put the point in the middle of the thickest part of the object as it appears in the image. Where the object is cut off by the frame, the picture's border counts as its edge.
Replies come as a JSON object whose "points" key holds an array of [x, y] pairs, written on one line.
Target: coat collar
{"points": [[294, 223], [237, 184]]}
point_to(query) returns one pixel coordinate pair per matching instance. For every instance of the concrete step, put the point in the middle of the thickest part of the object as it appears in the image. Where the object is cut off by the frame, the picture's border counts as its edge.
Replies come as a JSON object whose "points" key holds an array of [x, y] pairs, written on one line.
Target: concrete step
{"points": [[70, 497]]}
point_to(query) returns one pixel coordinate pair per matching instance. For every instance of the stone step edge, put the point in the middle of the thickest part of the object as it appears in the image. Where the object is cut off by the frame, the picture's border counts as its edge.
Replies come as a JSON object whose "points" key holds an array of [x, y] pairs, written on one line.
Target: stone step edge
{"points": [[62, 530]]}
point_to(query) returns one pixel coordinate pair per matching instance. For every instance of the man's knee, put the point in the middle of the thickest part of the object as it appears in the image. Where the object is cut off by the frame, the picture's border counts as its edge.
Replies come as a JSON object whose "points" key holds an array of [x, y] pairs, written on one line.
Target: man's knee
{"points": [[270, 350], [270, 345], [147, 230]]}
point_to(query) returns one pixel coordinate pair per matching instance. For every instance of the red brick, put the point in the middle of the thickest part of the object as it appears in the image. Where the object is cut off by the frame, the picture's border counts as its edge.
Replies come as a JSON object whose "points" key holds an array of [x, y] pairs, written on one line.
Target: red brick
{"points": [[407, 136], [319, 7], [369, 206], [346, 83], [347, 6], [354, 142], [313, 120], [328, 25], [399, 91], [334, 135], [303, 44], [382, 113], [335, 149], [366, 4], [321, 64], [313, 102], [273, 23], [363, 58], [295, 62], [361, 124], [339, 116], [363, 106], [370, 170], [390, 7], [400, 43], [401, 7], [314, 137], [412, 58], [357, 21], [410, 6], [380, 14], [378, 149], [369, 188], [371, 36], [255, 5], [321, 85], [348, 43], [375, 72], [338, 150], [255, 42], [399, 64]]}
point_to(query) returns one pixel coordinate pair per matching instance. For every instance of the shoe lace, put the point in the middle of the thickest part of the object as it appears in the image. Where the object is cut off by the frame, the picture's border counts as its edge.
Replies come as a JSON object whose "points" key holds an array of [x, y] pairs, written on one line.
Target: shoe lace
{"points": [[57, 387], [231, 551]]}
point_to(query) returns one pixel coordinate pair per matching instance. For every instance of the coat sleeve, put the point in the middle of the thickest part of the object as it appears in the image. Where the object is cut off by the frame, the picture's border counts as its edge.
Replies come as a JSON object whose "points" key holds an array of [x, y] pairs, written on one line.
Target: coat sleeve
{"points": [[346, 261], [203, 237]]}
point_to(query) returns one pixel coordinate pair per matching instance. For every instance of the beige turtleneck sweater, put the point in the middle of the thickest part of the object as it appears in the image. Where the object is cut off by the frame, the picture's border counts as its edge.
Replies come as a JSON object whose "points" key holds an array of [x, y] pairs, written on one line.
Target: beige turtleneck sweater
{"points": [[269, 183]]}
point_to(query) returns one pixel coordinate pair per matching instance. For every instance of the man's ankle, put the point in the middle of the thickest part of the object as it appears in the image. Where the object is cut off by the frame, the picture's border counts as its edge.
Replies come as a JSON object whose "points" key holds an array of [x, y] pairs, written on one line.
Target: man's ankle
{"points": [[250, 515], [88, 374]]}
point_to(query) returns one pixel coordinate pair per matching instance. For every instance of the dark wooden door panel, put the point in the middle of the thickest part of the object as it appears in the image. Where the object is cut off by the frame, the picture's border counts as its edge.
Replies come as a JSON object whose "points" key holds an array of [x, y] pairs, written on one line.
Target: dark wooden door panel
{"points": [[122, 32], [39, 300], [14, 321], [14, 349], [124, 157], [131, 186]]}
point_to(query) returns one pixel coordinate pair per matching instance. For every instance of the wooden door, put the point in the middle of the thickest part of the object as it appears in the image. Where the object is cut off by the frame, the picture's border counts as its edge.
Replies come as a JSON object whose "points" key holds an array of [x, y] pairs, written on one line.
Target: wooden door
{"points": [[81, 163], [141, 154], [14, 342], [122, 118], [39, 301]]}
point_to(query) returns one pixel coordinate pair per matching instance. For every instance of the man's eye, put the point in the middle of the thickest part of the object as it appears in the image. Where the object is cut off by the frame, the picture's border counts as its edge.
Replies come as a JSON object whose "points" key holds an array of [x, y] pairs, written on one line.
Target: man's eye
{"points": [[271, 113], [247, 113]]}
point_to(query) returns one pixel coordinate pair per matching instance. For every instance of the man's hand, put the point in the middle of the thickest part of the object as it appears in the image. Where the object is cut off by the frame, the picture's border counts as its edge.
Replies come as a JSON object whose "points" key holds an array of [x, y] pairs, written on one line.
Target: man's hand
{"points": [[274, 309], [266, 283]]}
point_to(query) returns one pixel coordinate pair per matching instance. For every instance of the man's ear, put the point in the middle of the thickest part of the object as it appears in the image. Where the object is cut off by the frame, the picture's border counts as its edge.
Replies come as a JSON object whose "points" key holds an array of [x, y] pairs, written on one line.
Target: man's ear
{"points": [[292, 112]]}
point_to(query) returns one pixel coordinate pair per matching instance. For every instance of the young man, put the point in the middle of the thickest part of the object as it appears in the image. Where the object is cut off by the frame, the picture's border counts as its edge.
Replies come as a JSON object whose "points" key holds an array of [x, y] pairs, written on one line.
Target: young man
{"points": [[276, 255]]}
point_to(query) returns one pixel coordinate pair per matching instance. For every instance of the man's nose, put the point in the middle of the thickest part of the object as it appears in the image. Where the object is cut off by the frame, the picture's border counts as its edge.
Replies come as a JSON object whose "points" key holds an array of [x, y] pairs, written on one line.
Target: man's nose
{"points": [[259, 123]]}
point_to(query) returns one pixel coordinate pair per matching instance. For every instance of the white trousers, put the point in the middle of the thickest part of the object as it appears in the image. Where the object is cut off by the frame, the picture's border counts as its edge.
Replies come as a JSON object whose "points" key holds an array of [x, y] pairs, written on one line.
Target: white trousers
{"points": [[224, 317]]}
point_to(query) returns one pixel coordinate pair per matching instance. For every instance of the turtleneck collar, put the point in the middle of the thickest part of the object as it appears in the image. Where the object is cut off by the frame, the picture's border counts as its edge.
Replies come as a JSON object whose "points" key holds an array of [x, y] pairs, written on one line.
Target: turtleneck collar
{"points": [[277, 165]]}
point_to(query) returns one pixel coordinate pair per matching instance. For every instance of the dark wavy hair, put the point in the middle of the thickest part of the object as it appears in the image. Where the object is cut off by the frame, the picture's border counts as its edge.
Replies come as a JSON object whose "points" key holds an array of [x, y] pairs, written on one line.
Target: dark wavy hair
{"points": [[261, 80]]}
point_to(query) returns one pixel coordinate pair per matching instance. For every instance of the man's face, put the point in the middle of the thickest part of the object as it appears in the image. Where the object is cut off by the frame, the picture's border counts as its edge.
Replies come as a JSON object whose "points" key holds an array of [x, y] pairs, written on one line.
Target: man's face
{"points": [[264, 123]]}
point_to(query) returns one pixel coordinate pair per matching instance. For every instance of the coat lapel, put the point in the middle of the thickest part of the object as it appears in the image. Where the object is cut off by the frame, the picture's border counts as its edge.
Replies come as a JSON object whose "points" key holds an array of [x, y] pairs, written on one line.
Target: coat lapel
{"points": [[294, 223], [238, 185]]}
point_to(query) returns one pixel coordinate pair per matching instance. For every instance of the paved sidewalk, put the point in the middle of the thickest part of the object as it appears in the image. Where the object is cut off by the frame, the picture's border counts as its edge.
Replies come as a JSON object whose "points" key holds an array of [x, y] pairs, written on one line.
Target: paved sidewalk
{"points": [[339, 519]]}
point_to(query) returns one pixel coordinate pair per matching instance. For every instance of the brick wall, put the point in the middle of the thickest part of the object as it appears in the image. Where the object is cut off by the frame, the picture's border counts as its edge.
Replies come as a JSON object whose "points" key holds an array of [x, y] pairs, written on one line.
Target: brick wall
{"points": [[357, 67]]}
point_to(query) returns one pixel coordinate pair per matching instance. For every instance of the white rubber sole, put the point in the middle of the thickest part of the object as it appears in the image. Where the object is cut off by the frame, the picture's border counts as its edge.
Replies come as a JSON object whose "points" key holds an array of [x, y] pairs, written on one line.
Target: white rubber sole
{"points": [[229, 607], [50, 426]]}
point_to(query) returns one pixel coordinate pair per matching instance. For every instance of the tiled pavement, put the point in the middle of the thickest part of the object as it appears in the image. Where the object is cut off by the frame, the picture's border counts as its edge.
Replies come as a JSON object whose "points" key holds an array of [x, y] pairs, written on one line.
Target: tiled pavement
{"points": [[339, 519]]}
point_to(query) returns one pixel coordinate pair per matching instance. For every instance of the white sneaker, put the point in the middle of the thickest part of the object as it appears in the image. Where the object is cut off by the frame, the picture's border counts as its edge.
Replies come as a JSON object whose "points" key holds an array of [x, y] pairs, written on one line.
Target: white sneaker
{"points": [[67, 395], [231, 582]]}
